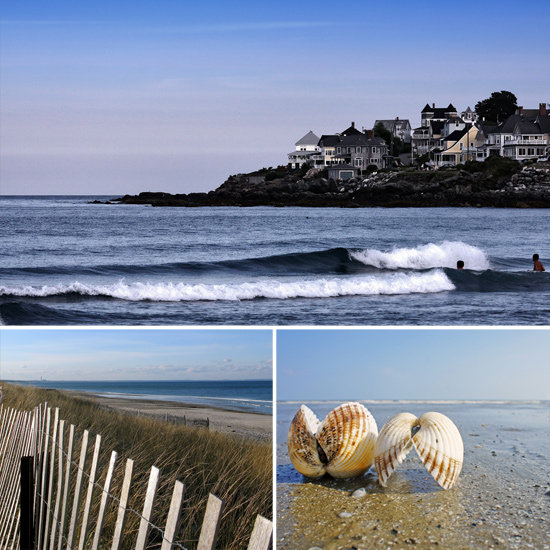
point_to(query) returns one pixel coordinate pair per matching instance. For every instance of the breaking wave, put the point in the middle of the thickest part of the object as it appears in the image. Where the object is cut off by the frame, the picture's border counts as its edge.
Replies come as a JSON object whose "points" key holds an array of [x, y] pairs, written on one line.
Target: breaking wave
{"points": [[425, 256], [382, 283]]}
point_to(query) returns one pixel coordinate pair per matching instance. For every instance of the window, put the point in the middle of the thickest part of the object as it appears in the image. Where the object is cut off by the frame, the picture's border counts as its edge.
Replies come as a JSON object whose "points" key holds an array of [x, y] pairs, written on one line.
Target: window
{"points": [[374, 149], [358, 149], [521, 152], [530, 151], [358, 162]]}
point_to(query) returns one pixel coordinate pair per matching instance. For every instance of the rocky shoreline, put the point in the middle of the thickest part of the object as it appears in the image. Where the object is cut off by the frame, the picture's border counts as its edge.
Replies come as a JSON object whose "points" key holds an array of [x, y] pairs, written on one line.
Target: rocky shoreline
{"points": [[528, 187]]}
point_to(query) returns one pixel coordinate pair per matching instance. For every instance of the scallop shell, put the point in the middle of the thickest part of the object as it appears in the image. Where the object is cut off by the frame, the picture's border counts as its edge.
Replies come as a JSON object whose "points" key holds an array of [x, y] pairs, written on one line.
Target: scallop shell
{"points": [[435, 438], [342, 445]]}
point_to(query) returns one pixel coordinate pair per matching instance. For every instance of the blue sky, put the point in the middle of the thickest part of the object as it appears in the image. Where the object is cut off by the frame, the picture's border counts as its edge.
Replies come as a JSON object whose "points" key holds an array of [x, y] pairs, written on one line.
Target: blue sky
{"points": [[142, 354], [115, 97], [414, 364]]}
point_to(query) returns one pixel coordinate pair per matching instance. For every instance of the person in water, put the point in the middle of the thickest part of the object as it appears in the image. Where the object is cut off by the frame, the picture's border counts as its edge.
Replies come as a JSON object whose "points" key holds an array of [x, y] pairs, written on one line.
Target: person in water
{"points": [[537, 266], [460, 264]]}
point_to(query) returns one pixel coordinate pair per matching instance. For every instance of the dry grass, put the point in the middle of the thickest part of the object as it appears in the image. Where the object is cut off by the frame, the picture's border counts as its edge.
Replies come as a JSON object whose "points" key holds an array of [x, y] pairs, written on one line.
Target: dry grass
{"points": [[236, 470]]}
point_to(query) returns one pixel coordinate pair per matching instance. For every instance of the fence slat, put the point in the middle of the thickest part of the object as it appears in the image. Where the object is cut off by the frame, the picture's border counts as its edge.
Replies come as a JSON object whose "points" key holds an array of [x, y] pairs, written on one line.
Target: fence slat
{"points": [[63, 516], [50, 479], [55, 518], [44, 468], [173, 516], [147, 509], [89, 494], [76, 498], [103, 505], [211, 523], [261, 534], [123, 504]]}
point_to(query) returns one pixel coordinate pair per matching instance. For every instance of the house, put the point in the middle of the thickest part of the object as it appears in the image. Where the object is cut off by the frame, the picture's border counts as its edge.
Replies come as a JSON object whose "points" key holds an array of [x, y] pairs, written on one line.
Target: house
{"points": [[399, 128], [525, 135], [361, 151], [342, 172], [432, 125], [305, 149], [460, 146], [327, 145]]}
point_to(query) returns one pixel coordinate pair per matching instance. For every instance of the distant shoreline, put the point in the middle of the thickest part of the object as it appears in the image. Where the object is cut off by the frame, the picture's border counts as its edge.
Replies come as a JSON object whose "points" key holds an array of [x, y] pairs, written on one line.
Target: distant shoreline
{"points": [[527, 188], [254, 425]]}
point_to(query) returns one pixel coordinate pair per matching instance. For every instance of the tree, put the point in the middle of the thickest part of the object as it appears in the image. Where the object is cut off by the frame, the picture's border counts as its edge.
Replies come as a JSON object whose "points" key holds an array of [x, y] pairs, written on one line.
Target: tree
{"points": [[498, 107], [380, 131]]}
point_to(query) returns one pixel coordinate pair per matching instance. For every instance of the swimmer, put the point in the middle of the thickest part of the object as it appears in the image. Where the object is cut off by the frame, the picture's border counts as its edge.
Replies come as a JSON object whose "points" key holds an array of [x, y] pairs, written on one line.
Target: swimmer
{"points": [[460, 265], [537, 266]]}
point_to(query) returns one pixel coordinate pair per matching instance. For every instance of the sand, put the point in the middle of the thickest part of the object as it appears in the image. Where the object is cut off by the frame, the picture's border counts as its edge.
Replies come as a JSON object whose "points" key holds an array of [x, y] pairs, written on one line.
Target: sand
{"points": [[501, 500], [244, 424]]}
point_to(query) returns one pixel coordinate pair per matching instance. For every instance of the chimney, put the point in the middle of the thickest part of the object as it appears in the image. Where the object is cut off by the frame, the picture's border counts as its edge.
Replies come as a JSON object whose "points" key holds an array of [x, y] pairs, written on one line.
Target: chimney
{"points": [[396, 118], [369, 133], [433, 105], [353, 124], [542, 109], [520, 110]]}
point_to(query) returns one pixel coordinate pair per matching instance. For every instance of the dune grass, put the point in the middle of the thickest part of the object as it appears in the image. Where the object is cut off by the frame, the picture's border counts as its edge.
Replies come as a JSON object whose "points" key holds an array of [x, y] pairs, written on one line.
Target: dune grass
{"points": [[236, 470]]}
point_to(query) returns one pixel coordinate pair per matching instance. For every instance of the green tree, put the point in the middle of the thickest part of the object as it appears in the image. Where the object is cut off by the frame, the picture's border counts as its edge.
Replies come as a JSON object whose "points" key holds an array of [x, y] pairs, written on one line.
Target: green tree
{"points": [[498, 107]]}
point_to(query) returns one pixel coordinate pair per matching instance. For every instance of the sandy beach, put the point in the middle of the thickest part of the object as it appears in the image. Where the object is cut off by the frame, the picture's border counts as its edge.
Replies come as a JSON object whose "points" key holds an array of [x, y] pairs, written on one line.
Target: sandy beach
{"points": [[244, 424], [501, 500]]}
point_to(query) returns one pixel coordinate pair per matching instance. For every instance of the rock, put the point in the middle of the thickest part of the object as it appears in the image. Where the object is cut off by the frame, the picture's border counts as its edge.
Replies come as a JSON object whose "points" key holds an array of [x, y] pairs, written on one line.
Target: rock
{"points": [[359, 493], [344, 515], [528, 188]]}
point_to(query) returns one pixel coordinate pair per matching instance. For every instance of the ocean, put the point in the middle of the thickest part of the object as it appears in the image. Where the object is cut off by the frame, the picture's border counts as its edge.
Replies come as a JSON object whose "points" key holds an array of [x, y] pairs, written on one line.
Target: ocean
{"points": [[239, 395], [67, 262]]}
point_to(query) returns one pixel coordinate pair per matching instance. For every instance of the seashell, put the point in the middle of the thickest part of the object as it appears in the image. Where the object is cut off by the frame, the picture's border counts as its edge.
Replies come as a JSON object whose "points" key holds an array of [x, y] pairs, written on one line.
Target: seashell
{"points": [[342, 445], [435, 438]]}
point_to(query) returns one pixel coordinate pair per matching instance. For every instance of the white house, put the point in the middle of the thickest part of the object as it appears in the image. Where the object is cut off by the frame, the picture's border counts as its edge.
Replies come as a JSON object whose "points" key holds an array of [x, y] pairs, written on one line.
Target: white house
{"points": [[305, 149]]}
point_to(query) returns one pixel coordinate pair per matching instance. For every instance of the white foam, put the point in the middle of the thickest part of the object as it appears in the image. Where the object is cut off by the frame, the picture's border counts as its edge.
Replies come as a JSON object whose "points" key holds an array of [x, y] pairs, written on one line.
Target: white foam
{"points": [[388, 283], [426, 256]]}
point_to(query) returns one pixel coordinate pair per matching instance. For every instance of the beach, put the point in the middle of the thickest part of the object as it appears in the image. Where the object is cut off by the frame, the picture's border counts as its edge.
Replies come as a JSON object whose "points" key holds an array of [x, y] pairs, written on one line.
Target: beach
{"points": [[240, 423], [501, 499]]}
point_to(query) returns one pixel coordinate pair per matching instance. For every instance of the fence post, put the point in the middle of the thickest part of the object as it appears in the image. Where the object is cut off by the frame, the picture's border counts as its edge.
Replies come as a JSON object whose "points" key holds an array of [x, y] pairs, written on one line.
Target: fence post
{"points": [[26, 527]]}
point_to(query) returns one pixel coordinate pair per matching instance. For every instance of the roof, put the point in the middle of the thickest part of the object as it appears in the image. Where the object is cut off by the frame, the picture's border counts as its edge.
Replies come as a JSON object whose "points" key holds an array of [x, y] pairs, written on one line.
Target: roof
{"points": [[390, 124], [353, 140], [468, 110], [455, 136], [544, 123], [528, 127], [329, 140], [439, 112], [341, 167], [303, 153], [352, 130], [309, 139]]}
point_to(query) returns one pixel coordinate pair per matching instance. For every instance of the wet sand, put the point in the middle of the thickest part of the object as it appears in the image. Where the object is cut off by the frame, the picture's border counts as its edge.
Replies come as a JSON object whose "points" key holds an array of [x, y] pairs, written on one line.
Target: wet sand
{"points": [[244, 424], [501, 500]]}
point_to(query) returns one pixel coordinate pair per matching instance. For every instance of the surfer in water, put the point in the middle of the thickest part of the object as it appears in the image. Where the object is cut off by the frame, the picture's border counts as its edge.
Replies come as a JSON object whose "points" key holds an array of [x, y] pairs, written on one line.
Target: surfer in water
{"points": [[460, 265], [537, 266]]}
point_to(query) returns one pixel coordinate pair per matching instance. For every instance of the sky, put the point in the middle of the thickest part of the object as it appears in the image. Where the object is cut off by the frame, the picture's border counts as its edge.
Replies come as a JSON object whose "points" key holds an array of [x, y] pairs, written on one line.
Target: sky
{"points": [[102, 97], [428, 364], [140, 354]]}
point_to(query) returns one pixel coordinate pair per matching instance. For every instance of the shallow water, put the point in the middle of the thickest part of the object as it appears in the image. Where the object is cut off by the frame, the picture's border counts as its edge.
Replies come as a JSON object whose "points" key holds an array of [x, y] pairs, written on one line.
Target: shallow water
{"points": [[501, 499], [65, 261]]}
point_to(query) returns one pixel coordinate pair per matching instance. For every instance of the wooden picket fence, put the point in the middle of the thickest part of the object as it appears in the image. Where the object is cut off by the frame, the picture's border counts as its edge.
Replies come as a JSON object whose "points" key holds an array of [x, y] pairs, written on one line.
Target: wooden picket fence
{"points": [[56, 500]]}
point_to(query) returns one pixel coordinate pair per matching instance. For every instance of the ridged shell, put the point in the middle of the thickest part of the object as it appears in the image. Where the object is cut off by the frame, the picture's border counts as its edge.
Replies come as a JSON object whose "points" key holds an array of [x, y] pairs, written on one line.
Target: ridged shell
{"points": [[435, 438], [440, 447], [302, 445], [342, 445], [393, 444]]}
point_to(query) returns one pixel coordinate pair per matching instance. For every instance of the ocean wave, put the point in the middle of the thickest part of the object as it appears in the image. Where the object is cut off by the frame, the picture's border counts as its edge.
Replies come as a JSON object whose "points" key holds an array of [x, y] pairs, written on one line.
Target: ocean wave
{"points": [[390, 283], [426, 256]]}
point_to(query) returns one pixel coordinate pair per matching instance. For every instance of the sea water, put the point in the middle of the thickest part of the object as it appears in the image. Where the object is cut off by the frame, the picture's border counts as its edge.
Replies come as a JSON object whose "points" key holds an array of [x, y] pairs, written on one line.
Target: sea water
{"points": [[240, 395], [65, 261]]}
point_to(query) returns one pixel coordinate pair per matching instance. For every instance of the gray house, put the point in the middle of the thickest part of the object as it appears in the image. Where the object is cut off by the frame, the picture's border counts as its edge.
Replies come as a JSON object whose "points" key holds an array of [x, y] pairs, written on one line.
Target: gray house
{"points": [[399, 128]]}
